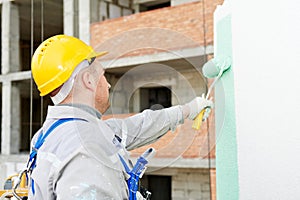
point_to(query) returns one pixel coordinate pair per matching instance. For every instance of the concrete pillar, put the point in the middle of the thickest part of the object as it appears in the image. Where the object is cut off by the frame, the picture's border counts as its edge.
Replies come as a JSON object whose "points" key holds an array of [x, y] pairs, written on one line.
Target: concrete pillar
{"points": [[136, 101], [10, 63], [88, 12], [95, 10], [6, 118], [70, 17], [84, 20], [78, 15]]}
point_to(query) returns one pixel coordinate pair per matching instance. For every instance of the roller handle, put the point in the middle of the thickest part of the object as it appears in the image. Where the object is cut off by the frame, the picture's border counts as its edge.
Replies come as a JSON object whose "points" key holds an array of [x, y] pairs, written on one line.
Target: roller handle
{"points": [[198, 120]]}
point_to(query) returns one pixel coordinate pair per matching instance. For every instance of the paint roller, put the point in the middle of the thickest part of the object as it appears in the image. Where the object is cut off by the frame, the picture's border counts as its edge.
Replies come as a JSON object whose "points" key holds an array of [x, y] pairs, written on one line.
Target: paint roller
{"points": [[213, 68]]}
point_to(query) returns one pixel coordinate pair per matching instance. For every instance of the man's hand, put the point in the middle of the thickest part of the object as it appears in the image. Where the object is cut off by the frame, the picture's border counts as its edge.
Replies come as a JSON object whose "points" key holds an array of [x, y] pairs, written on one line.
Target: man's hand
{"points": [[193, 108]]}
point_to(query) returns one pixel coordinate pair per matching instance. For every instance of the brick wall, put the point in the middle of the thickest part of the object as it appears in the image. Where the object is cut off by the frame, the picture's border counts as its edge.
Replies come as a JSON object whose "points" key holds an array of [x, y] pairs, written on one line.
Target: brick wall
{"points": [[193, 21]]}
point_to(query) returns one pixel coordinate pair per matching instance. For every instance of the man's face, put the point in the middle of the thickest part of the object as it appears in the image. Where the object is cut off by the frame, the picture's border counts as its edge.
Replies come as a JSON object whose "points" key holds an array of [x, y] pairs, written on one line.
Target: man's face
{"points": [[102, 92]]}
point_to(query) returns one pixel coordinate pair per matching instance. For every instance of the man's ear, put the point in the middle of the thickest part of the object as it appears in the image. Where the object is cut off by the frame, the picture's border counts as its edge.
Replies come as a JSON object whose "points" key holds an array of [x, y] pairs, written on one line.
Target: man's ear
{"points": [[88, 81]]}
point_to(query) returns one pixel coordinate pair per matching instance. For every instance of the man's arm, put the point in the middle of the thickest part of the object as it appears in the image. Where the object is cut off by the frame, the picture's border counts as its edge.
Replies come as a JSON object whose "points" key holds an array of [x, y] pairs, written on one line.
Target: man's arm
{"points": [[148, 126]]}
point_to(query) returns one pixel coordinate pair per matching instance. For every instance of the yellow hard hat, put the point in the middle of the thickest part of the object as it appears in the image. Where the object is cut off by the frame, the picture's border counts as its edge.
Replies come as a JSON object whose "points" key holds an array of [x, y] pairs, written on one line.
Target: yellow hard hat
{"points": [[56, 58]]}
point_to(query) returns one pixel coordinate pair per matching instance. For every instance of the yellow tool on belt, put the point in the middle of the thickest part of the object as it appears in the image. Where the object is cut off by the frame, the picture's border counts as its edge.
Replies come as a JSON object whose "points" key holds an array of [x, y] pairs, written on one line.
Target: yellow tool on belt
{"points": [[8, 191]]}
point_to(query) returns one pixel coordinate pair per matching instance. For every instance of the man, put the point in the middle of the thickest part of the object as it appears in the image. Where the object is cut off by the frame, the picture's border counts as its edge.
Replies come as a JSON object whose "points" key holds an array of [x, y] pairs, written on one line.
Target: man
{"points": [[76, 155]]}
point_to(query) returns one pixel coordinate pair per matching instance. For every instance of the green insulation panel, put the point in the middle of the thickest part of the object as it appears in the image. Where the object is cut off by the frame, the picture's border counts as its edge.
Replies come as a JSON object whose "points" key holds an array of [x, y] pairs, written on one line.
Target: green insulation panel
{"points": [[226, 143]]}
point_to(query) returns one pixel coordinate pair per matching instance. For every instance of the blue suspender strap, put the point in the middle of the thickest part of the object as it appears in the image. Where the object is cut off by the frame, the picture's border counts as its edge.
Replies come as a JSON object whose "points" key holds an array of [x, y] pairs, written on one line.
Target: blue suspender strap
{"points": [[32, 186], [40, 141], [124, 164], [137, 172]]}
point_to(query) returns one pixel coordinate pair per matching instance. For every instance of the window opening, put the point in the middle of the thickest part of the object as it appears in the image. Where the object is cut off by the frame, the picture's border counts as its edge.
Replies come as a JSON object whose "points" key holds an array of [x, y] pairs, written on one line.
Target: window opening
{"points": [[155, 98]]}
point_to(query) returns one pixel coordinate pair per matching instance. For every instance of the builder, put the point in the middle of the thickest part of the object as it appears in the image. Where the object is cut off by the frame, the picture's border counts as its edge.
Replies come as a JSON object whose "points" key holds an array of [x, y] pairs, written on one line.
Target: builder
{"points": [[76, 155]]}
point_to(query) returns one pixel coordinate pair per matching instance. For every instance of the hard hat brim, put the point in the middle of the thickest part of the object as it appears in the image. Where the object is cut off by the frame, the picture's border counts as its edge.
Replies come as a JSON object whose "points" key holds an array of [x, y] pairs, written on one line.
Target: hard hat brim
{"points": [[97, 54]]}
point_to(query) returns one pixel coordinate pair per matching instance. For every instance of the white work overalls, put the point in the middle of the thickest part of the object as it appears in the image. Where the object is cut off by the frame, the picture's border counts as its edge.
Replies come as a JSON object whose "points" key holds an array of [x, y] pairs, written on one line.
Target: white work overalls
{"points": [[79, 160]]}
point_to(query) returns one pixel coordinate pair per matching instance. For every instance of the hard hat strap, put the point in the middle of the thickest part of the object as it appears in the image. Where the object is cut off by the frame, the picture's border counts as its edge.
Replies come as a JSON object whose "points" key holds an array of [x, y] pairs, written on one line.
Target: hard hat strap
{"points": [[67, 86]]}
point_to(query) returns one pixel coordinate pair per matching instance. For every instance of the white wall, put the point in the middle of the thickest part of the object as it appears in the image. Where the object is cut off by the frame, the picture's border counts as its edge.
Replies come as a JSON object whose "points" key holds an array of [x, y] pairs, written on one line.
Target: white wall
{"points": [[266, 60]]}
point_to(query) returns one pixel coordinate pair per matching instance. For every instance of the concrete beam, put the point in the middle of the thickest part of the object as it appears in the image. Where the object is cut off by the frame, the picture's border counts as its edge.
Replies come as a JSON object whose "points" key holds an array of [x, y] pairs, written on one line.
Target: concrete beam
{"points": [[145, 1], [159, 57], [16, 76], [180, 163], [179, 2], [3, 1]]}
